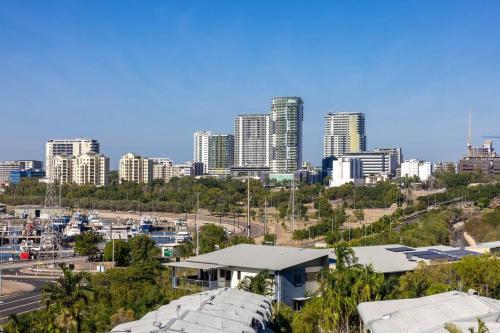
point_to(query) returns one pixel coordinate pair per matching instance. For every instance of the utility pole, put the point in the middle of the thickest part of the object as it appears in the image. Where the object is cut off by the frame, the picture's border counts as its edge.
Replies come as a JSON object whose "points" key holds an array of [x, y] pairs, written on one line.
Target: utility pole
{"points": [[248, 205], [196, 224], [265, 216], [113, 243], [291, 203]]}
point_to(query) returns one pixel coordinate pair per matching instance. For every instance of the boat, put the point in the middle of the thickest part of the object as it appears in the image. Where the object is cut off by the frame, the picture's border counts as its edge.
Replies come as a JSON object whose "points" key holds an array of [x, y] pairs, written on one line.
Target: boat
{"points": [[94, 221], [133, 231], [73, 229], [26, 250], [146, 225]]}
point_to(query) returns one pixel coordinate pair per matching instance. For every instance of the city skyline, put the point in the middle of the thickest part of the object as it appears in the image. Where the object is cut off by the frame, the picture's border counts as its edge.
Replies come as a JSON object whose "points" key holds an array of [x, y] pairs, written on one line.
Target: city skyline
{"points": [[146, 87]]}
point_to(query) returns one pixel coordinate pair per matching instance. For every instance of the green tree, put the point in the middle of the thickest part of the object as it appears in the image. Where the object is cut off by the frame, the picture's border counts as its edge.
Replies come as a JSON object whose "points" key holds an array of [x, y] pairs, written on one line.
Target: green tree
{"points": [[86, 244], [143, 250], [262, 284], [211, 238], [344, 256], [121, 251], [68, 299], [282, 318], [239, 239]]}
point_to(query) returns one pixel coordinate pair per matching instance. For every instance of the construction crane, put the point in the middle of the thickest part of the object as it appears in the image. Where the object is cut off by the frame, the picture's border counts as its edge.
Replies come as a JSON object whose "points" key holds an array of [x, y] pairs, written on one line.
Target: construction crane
{"points": [[491, 137]]}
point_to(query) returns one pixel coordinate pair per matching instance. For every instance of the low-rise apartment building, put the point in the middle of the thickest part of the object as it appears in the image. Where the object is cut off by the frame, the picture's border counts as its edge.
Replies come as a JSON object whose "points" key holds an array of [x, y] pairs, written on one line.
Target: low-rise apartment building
{"points": [[293, 270]]}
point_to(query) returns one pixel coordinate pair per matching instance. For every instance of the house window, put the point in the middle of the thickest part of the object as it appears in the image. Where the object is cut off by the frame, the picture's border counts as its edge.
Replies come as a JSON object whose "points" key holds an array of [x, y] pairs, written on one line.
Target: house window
{"points": [[239, 275], [312, 276]]}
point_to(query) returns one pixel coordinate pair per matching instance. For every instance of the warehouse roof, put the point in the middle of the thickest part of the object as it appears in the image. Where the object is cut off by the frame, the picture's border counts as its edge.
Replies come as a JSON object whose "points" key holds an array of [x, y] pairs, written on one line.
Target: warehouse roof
{"points": [[427, 314], [221, 310], [274, 258]]}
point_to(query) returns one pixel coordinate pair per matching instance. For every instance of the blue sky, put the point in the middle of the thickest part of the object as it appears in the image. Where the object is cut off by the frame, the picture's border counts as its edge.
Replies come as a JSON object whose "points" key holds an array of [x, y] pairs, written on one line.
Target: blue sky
{"points": [[141, 76]]}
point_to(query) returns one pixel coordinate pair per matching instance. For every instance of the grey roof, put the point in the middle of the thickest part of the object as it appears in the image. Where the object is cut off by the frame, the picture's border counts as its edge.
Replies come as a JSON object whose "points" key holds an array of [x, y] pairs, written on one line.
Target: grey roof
{"points": [[221, 310], [427, 314], [273, 258], [490, 245], [385, 261]]}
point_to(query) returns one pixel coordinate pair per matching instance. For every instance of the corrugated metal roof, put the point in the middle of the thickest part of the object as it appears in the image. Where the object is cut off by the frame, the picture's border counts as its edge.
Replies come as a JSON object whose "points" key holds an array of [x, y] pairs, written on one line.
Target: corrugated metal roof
{"points": [[273, 258], [221, 310], [427, 314]]}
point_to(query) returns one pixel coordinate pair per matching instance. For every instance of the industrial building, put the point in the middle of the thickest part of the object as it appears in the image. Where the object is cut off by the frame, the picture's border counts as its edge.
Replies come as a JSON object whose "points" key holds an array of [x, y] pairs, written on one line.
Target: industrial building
{"points": [[480, 159], [6, 168], [15, 177], [430, 313], [346, 170], [415, 168], [223, 310], [376, 162], [293, 270]]}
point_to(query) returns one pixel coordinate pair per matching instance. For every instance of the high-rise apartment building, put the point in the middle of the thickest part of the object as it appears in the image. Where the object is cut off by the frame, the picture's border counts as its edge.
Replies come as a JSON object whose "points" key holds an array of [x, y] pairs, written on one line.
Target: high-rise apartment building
{"points": [[62, 168], [162, 168], [252, 140], [70, 147], [90, 168], [344, 133], [287, 114], [200, 148], [134, 168], [220, 154]]}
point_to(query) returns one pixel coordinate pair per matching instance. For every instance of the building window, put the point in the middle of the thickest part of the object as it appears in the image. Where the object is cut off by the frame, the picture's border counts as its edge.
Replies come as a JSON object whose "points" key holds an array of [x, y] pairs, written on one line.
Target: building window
{"points": [[239, 275], [313, 276]]}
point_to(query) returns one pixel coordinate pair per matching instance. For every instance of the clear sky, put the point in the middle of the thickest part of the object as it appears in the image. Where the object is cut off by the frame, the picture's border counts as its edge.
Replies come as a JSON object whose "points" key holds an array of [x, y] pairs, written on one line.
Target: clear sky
{"points": [[141, 76]]}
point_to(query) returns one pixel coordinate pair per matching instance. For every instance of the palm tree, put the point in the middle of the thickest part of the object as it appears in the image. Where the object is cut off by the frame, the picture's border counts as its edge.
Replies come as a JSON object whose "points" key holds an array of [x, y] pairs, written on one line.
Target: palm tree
{"points": [[260, 284], [345, 257], [68, 297], [481, 327]]}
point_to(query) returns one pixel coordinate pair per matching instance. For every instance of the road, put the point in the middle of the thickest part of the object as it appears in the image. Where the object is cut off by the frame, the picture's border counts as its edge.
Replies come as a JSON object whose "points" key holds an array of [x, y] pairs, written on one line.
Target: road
{"points": [[29, 263], [24, 302]]}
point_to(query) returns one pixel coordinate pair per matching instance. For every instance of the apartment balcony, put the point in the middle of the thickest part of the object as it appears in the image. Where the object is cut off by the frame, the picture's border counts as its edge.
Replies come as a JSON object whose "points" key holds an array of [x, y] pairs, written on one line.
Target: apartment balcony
{"points": [[190, 283]]}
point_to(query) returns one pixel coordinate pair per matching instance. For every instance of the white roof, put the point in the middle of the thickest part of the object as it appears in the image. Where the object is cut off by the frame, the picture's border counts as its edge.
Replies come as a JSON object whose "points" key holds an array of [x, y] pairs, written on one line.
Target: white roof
{"points": [[220, 310], [427, 314], [383, 260], [273, 258]]}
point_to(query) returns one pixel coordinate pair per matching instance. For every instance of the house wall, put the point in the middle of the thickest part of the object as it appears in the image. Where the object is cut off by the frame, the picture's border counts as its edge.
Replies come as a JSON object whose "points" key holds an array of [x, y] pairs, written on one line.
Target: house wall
{"points": [[292, 284]]}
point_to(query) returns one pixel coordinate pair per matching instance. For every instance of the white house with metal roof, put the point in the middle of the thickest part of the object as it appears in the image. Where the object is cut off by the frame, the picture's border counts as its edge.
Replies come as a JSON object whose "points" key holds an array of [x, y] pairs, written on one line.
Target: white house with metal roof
{"points": [[429, 314], [222, 310], [293, 270]]}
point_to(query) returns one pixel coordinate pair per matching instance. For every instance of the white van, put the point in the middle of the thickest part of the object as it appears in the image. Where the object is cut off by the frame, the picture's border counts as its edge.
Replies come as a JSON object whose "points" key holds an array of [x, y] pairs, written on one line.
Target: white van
{"points": [[183, 236]]}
